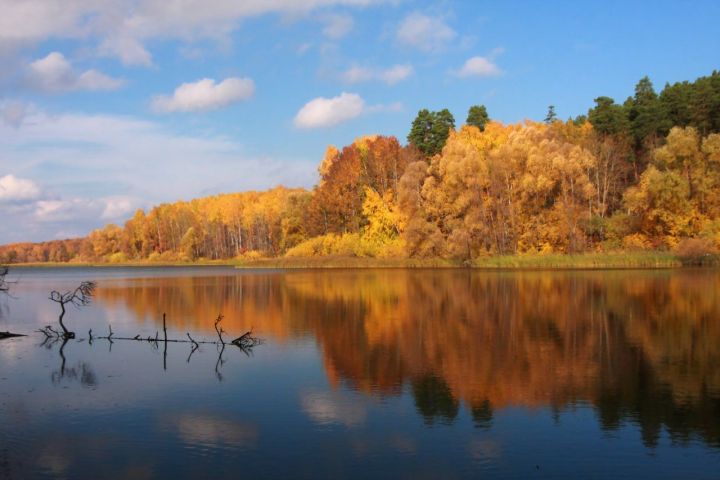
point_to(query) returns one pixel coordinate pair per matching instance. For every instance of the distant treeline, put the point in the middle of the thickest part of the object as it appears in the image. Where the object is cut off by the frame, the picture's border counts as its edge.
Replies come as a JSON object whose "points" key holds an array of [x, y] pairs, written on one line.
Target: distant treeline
{"points": [[644, 174]]}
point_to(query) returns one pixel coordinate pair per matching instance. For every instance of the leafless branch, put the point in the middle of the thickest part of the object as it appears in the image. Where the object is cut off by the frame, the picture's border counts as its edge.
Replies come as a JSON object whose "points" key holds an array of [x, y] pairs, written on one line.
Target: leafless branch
{"points": [[80, 297], [4, 287], [218, 328]]}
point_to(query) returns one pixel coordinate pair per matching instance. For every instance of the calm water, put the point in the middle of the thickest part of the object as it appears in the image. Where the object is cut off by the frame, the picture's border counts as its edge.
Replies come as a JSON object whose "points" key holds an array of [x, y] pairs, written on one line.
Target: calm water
{"points": [[367, 374]]}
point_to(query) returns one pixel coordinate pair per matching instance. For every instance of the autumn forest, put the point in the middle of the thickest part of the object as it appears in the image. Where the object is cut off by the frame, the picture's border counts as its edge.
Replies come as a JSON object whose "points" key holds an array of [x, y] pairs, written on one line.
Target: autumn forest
{"points": [[643, 174]]}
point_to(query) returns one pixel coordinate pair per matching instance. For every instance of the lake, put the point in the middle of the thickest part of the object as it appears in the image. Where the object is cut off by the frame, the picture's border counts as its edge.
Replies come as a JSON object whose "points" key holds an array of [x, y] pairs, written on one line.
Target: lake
{"points": [[365, 374]]}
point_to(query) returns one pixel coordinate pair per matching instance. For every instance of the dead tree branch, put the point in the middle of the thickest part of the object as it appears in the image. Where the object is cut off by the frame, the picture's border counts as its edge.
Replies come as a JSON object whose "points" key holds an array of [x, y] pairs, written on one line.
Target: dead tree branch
{"points": [[4, 287], [246, 340], [80, 297], [218, 328]]}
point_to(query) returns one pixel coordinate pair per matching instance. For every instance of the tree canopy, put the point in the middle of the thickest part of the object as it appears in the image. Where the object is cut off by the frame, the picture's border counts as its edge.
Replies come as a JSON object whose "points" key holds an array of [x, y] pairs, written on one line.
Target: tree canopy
{"points": [[430, 131], [644, 174], [478, 117]]}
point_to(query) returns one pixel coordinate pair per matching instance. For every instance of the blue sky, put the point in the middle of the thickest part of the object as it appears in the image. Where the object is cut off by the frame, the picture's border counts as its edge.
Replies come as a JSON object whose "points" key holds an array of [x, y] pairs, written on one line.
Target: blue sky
{"points": [[107, 105]]}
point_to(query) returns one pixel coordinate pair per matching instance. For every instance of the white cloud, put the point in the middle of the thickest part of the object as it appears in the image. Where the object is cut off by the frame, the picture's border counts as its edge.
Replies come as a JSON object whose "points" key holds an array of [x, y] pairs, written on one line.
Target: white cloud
{"points": [[118, 207], [54, 73], [205, 94], [337, 25], [390, 76], [327, 112], [121, 27], [359, 75], [129, 50], [479, 67], [13, 189], [53, 209], [37, 20], [396, 74], [91, 168], [108, 209], [429, 34]]}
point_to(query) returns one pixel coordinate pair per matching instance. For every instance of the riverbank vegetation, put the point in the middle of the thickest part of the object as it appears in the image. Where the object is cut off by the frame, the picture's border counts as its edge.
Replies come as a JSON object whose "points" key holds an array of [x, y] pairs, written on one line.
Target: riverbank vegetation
{"points": [[637, 177]]}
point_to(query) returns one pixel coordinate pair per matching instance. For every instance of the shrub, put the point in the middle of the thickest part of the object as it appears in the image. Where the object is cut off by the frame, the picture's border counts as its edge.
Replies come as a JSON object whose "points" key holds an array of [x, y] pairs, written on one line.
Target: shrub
{"points": [[636, 241], [347, 245], [118, 257], [697, 251]]}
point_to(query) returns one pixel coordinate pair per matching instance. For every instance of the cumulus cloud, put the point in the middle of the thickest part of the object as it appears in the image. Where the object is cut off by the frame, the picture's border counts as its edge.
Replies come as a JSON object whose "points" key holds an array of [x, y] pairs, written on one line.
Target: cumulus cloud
{"points": [[390, 76], [328, 112], [121, 28], [337, 25], [54, 73], [479, 67], [14, 189], [205, 94], [425, 33]]}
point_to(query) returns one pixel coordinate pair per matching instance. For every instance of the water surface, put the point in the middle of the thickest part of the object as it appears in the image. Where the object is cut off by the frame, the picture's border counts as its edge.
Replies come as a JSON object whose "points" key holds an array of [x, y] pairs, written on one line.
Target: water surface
{"points": [[366, 373]]}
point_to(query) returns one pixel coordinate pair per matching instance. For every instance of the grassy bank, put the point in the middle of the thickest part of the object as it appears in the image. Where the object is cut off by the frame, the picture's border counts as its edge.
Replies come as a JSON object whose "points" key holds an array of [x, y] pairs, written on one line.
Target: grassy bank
{"points": [[346, 262], [580, 261], [509, 262], [585, 260]]}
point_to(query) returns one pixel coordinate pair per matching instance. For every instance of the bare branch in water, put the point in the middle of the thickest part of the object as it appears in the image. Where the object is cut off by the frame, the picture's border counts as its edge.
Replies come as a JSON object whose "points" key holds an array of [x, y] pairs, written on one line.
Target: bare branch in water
{"points": [[218, 328], [246, 340], [193, 341], [4, 287], [80, 297]]}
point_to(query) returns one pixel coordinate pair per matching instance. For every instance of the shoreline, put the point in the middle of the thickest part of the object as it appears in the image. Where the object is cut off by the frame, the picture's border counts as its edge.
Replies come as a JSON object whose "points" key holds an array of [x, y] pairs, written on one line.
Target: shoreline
{"points": [[585, 261]]}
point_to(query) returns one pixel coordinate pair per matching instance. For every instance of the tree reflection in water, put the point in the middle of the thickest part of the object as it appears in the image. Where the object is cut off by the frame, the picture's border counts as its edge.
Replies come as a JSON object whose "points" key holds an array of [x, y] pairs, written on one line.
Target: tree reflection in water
{"points": [[81, 371], [639, 346]]}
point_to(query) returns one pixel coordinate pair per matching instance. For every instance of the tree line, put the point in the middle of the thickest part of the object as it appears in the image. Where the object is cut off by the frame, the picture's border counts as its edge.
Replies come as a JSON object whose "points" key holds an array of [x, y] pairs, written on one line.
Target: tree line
{"points": [[642, 174]]}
